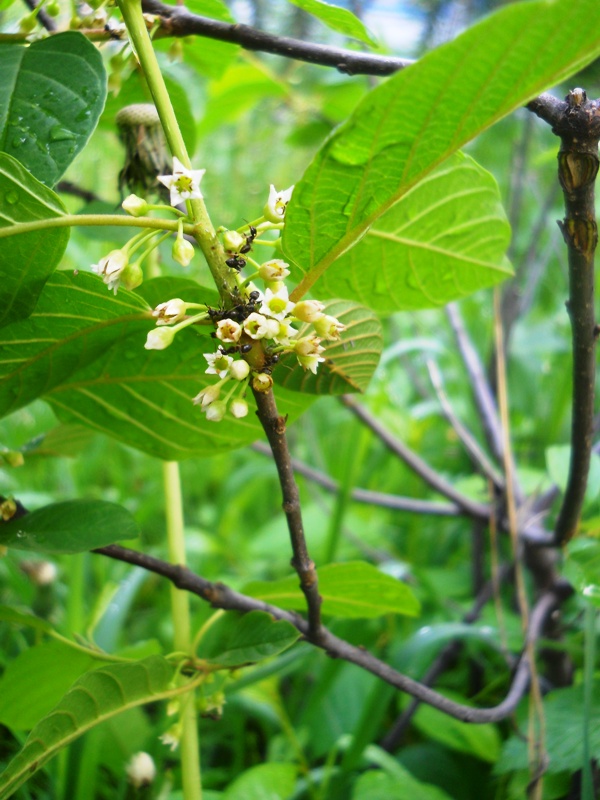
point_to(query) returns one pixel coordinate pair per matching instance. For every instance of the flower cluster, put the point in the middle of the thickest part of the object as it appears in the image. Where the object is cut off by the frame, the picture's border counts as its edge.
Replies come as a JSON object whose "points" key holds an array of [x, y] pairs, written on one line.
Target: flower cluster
{"points": [[258, 328]]}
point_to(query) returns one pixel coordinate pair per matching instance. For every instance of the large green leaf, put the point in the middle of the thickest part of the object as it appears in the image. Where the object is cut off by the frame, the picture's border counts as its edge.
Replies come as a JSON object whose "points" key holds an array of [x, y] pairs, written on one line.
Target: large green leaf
{"points": [[26, 260], [355, 590], [74, 526], [237, 640], [95, 697], [42, 674], [408, 125], [51, 95], [349, 363], [445, 239], [338, 19], [75, 321]]}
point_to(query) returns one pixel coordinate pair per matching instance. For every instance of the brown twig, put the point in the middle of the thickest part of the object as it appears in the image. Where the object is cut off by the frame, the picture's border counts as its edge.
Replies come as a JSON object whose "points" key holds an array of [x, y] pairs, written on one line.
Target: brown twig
{"points": [[429, 475], [221, 596], [274, 427]]}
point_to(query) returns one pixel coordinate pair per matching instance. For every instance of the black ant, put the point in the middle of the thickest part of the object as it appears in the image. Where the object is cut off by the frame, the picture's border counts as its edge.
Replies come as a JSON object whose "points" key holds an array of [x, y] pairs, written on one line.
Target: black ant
{"points": [[236, 348], [236, 262], [237, 313], [250, 237], [271, 360]]}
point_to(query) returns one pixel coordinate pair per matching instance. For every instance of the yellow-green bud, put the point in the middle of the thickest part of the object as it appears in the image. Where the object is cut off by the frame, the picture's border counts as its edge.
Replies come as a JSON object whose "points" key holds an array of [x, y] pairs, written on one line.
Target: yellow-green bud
{"points": [[183, 251]]}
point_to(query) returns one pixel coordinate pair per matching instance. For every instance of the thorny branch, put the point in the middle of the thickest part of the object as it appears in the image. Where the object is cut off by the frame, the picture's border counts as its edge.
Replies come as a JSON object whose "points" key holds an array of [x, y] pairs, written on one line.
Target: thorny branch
{"points": [[221, 596]]}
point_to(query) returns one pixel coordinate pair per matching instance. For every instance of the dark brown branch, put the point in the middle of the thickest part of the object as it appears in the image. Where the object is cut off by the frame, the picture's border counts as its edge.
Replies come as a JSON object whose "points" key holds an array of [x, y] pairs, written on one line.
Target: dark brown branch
{"points": [[368, 496], [274, 427], [178, 21], [579, 129], [221, 596], [429, 475], [44, 18]]}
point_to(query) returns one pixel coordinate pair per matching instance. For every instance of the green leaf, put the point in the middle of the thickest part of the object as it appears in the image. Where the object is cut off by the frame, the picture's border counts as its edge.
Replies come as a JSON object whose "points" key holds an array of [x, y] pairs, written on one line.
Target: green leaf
{"points": [[74, 526], [51, 96], [237, 640], [35, 681], [557, 464], [480, 741], [95, 697], [445, 239], [411, 123], [378, 785], [564, 712], [263, 782], [28, 259], [336, 18], [75, 321], [355, 590], [349, 363]]}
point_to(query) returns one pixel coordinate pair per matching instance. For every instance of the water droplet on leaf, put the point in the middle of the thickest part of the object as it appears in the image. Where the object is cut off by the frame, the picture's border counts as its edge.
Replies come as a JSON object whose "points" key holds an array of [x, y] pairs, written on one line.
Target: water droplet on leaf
{"points": [[12, 198], [58, 134]]}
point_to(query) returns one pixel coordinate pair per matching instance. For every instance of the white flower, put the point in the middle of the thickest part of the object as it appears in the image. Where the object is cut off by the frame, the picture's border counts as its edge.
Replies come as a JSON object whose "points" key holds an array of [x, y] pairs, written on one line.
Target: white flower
{"points": [[308, 352], [159, 338], [239, 408], [111, 267], [228, 330], [285, 332], [141, 770], [274, 211], [255, 326], [308, 310], [184, 183], [276, 304], [170, 312], [218, 364], [239, 370], [274, 270], [207, 396], [328, 327], [215, 411]]}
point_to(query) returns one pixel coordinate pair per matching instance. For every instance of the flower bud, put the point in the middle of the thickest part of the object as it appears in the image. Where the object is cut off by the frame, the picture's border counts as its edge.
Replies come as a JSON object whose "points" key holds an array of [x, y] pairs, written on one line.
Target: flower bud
{"points": [[239, 408], [328, 327], [183, 251], [159, 338], [141, 770], [274, 270], [132, 276], [40, 573], [262, 382], [207, 396], [308, 310], [215, 411], [135, 206], [239, 370], [233, 241]]}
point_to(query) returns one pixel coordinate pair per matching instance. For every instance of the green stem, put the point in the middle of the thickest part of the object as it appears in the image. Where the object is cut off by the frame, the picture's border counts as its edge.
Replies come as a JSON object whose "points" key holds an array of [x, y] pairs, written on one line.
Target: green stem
{"points": [[204, 231], [587, 790], [94, 220], [180, 607]]}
